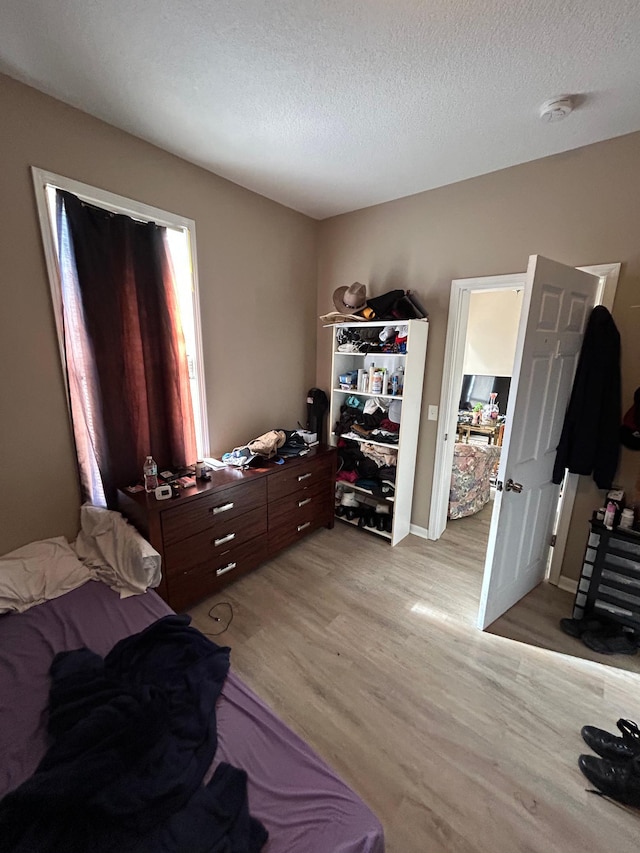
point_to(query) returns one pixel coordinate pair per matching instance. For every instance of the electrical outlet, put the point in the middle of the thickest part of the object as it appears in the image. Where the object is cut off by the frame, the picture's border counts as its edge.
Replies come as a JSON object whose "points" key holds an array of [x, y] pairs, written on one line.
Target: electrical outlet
{"points": [[433, 413]]}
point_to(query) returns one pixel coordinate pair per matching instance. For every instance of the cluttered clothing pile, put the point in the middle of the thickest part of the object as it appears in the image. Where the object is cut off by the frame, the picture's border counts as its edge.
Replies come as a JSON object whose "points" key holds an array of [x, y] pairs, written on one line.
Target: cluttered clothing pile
{"points": [[367, 464], [391, 340], [272, 445], [377, 419], [351, 304]]}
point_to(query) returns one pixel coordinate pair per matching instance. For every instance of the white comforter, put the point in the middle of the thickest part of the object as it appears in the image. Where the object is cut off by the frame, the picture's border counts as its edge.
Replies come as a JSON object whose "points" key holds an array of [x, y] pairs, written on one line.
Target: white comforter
{"points": [[115, 552], [107, 549], [39, 572]]}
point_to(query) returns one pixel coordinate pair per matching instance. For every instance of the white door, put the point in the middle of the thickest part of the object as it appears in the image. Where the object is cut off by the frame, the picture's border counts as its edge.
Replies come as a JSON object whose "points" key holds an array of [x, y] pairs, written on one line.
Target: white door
{"points": [[556, 306]]}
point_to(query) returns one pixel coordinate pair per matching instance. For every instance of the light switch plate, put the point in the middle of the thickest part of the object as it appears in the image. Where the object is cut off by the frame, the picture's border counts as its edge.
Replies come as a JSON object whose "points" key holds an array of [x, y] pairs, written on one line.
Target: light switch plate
{"points": [[433, 413]]}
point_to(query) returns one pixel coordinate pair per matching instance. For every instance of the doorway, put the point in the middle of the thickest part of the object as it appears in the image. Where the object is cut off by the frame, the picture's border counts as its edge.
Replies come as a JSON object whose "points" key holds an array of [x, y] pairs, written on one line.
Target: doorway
{"points": [[487, 368], [453, 373]]}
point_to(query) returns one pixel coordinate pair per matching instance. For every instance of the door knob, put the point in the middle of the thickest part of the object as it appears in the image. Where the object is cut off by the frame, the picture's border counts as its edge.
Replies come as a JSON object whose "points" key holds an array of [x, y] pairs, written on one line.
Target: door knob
{"points": [[509, 486]]}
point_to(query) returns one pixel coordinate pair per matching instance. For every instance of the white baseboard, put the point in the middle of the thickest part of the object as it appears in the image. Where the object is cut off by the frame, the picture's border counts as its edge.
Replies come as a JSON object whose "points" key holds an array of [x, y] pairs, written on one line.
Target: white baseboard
{"points": [[568, 584], [422, 532]]}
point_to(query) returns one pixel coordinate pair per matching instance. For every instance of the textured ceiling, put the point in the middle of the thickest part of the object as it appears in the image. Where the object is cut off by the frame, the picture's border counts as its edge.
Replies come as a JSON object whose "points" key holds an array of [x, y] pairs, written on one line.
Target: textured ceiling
{"points": [[329, 105]]}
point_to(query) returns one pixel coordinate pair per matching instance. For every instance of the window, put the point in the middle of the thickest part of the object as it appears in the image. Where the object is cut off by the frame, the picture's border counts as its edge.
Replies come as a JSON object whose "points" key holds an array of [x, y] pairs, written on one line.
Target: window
{"points": [[180, 246]]}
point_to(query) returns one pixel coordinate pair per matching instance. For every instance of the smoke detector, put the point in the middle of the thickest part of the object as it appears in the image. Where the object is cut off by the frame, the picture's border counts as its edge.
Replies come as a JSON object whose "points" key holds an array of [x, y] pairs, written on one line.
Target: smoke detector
{"points": [[556, 109]]}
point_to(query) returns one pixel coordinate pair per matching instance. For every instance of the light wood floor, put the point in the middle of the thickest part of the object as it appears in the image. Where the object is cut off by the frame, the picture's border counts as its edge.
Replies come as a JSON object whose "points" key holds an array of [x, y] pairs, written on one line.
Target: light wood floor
{"points": [[459, 740], [536, 618]]}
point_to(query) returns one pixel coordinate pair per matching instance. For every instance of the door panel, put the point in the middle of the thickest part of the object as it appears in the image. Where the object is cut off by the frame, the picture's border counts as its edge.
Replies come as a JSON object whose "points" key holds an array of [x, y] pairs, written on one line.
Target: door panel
{"points": [[556, 305]]}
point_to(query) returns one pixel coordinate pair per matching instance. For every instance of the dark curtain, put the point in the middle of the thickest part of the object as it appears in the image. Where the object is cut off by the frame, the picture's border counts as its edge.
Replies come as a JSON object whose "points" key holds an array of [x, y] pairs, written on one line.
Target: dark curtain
{"points": [[125, 351]]}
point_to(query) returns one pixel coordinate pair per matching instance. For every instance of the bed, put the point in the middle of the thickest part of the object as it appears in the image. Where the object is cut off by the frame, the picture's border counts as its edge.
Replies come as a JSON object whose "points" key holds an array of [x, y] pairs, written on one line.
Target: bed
{"points": [[473, 467], [303, 805]]}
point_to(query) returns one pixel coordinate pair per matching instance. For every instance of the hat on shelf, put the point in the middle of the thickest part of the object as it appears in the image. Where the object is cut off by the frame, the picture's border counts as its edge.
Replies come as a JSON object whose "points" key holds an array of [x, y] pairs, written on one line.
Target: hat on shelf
{"points": [[349, 499], [351, 299], [338, 317], [395, 411]]}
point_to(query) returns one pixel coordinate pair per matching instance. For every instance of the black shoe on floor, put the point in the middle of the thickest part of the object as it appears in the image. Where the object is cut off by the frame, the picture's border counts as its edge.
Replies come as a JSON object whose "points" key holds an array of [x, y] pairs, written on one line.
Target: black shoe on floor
{"points": [[577, 627], [618, 780], [611, 746], [610, 641]]}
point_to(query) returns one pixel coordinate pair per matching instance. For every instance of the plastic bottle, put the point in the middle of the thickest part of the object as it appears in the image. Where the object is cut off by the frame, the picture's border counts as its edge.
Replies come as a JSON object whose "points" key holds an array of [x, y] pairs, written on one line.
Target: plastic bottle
{"points": [[150, 471], [372, 370], [610, 515], [626, 519]]}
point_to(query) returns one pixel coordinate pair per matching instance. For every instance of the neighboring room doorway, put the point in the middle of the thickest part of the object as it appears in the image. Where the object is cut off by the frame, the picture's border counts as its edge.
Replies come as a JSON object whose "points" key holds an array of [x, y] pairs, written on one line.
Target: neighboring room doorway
{"points": [[489, 353], [543, 292]]}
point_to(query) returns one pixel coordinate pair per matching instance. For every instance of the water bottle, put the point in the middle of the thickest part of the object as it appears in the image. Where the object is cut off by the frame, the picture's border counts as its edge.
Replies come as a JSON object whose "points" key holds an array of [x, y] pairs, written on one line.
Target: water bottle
{"points": [[150, 471]]}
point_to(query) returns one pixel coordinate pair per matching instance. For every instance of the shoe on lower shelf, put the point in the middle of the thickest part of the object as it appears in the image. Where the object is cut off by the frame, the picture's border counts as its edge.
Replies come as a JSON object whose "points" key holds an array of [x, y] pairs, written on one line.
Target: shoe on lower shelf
{"points": [[613, 747]]}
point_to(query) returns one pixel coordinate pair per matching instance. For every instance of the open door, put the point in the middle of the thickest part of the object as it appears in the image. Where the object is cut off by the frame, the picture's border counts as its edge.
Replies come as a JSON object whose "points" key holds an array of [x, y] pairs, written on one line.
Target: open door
{"points": [[556, 306]]}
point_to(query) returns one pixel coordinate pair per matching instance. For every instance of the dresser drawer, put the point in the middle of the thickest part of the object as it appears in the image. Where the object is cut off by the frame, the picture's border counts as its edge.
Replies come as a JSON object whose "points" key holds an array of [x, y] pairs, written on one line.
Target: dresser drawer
{"points": [[294, 523], [302, 477], [206, 578], [300, 506], [214, 543], [212, 511]]}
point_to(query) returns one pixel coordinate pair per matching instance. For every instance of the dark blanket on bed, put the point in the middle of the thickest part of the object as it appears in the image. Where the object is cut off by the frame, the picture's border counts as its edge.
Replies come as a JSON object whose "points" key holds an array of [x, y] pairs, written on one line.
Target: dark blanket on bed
{"points": [[133, 737]]}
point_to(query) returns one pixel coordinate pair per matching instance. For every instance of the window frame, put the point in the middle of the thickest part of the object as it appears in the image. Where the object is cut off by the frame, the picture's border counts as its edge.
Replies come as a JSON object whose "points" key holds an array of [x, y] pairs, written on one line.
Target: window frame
{"points": [[137, 210]]}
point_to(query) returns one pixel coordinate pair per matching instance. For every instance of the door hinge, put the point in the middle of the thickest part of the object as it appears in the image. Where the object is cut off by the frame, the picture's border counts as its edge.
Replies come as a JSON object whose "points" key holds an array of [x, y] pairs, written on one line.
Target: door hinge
{"points": [[446, 436], [554, 539]]}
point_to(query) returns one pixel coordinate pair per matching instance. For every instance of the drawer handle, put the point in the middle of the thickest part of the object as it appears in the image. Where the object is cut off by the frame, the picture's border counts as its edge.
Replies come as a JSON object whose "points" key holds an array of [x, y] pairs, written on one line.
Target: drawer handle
{"points": [[302, 526], [222, 508], [304, 476], [304, 502], [225, 569], [224, 539]]}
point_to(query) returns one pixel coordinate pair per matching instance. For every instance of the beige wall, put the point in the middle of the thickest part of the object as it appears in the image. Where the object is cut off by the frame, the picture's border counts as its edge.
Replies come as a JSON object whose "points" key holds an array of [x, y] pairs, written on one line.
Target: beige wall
{"points": [[582, 207], [257, 272], [492, 331], [257, 269]]}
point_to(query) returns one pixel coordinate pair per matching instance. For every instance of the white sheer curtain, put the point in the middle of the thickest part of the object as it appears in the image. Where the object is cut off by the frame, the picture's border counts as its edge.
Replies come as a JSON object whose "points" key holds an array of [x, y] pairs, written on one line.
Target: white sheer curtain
{"points": [[80, 366]]}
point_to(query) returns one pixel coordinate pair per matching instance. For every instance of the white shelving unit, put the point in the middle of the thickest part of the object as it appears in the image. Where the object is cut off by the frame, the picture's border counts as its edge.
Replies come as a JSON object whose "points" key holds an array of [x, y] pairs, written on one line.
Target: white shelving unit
{"points": [[413, 362]]}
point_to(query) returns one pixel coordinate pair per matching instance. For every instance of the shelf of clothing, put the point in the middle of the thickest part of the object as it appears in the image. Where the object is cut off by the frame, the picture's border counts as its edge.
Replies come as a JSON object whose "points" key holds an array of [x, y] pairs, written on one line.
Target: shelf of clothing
{"points": [[413, 361]]}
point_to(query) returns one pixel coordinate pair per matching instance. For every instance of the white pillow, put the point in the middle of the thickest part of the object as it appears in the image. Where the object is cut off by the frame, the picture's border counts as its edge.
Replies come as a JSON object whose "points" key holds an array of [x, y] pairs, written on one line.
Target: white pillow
{"points": [[39, 572], [115, 552]]}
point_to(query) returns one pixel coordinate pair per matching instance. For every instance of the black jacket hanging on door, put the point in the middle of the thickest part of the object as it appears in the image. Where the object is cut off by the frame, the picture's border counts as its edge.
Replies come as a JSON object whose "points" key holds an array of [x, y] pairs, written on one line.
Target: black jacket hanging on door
{"points": [[590, 440]]}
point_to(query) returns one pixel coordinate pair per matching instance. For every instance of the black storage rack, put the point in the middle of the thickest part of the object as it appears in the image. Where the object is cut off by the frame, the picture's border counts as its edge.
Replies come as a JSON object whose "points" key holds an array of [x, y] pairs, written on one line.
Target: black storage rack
{"points": [[609, 584]]}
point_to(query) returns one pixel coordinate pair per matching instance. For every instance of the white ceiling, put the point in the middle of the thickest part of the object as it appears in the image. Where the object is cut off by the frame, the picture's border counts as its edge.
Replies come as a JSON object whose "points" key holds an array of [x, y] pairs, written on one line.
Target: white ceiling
{"points": [[332, 105]]}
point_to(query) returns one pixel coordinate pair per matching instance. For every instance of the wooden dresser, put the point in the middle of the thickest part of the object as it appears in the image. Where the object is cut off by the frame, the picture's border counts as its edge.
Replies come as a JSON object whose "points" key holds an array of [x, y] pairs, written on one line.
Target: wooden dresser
{"points": [[218, 530]]}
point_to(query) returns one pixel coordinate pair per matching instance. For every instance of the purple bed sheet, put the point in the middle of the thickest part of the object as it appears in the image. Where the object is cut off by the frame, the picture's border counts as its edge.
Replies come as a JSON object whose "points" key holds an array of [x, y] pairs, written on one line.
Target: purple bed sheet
{"points": [[301, 801]]}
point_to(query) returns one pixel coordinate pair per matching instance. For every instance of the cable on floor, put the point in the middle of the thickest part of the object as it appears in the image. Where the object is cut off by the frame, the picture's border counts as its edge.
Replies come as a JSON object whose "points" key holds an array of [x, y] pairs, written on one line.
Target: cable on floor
{"points": [[222, 614]]}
